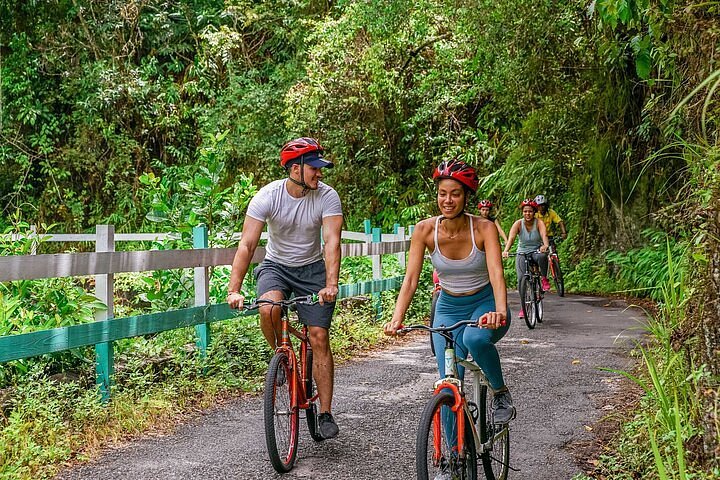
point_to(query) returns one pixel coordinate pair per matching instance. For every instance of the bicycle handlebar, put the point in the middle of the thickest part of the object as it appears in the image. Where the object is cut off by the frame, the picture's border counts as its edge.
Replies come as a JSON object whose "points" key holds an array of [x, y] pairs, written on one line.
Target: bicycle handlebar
{"points": [[441, 330], [526, 253], [303, 300]]}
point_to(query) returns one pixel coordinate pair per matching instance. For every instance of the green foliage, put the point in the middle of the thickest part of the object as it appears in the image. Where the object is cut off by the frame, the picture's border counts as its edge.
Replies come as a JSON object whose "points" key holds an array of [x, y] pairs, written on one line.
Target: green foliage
{"points": [[645, 270], [640, 272], [670, 412], [111, 113]]}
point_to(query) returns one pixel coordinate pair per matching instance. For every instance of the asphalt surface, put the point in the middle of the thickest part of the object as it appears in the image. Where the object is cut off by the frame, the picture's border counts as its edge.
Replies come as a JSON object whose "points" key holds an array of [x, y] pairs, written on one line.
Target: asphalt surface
{"points": [[554, 373]]}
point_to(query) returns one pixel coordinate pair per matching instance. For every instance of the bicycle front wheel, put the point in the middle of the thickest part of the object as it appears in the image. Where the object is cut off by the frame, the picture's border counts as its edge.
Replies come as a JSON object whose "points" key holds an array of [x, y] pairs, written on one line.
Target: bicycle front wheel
{"points": [[495, 439], [311, 412], [436, 447], [558, 276], [538, 299], [281, 418], [527, 301]]}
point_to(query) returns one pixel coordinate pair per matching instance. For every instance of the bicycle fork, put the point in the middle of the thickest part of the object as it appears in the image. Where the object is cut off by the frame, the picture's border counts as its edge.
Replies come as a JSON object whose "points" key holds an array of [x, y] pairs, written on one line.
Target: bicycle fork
{"points": [[459, 407]]}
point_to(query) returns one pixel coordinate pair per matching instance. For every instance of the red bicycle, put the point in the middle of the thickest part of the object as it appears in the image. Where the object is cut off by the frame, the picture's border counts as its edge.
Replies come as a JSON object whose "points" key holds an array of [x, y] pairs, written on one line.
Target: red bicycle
{"points": [[554, 267], [289, 388]]}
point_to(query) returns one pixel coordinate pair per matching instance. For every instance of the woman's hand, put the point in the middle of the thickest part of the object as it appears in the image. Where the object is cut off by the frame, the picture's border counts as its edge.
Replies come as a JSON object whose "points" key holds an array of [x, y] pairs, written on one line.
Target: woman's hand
{"points": [[492, 320], [505, 254]]}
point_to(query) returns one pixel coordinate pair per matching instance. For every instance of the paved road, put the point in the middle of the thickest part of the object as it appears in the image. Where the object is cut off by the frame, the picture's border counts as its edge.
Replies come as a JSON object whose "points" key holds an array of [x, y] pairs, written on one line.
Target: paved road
{"points": [[552, 372]]}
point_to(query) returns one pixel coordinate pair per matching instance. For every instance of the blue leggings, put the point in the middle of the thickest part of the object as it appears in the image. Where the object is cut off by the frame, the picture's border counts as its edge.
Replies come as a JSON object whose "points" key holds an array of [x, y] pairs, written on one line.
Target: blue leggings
{"points": [[480, 342]]}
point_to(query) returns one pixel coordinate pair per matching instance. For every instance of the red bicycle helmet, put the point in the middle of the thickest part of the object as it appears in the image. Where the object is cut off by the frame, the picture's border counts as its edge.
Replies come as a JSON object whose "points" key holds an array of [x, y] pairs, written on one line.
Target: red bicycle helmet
{"points": [[529, 202], [298, 147], [457, 170], [485, 204]]}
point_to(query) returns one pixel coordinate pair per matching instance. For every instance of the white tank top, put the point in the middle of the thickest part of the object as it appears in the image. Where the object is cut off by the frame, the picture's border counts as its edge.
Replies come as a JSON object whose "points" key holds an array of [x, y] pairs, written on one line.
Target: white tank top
{"points": [[466, 275]]}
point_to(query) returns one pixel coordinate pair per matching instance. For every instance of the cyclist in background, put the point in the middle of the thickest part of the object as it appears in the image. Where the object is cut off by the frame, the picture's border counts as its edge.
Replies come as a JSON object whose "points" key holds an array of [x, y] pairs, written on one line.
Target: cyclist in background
{"points": [[465, 252], [549, 217], [296, 209], [532, 237], [484, 207]]}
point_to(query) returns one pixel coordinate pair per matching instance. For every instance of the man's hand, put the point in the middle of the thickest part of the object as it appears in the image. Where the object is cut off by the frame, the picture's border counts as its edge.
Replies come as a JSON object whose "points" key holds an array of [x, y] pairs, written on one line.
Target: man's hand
{"points": [[328, 294], [236, 300], [492, 320], [543, 248], [505, 254], [390, 328]]}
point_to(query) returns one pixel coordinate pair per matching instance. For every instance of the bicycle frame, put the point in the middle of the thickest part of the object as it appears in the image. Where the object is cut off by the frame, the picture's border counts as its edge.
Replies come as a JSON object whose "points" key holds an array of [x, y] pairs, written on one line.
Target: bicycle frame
{"points": [[532, 269], [299, 397], [455, 385], [552, 252]]}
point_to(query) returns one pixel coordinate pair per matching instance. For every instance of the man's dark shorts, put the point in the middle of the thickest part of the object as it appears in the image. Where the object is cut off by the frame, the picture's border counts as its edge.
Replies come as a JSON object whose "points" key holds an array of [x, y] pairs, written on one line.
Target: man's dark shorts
{"points": [[305, 280]]}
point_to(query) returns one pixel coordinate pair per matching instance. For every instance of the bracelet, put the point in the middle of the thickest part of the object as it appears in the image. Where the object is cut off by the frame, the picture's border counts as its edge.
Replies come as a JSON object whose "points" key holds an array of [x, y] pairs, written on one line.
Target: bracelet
{"points": [[230, 293]]}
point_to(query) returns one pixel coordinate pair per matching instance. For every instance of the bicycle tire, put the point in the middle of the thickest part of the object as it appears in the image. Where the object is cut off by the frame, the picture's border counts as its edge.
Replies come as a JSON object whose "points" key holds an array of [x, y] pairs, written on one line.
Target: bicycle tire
{"points": [[281, 419], [311, 411], [428, 468], [558, 277], [495, 439], [538, 299], [527, 302]]}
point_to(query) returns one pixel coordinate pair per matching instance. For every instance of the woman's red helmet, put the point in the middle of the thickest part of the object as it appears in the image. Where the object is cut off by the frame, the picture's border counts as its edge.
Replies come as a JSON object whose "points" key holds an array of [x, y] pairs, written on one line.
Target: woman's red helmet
{"points": [[485, 204], [299, 147], [459, 171], [529, 202]]}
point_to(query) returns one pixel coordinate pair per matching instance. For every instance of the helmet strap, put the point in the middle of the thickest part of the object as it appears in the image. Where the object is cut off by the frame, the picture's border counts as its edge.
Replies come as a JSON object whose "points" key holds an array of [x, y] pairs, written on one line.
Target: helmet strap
{"points": [[301, 183]]}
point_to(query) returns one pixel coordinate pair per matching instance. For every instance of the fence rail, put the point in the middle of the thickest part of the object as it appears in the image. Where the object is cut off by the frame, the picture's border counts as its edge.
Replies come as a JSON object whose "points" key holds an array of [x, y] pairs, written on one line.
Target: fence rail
{"points": [[29, 267], [149, 237], [105, 262]]}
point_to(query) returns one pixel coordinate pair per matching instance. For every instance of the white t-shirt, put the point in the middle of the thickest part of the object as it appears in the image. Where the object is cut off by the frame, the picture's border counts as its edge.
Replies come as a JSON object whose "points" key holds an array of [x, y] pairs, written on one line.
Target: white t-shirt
{"points": [[293, 223]]}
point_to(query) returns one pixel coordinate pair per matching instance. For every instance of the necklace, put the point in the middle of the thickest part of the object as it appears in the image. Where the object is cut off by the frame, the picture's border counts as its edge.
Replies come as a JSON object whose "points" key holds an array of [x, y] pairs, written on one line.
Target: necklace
{"points": [[452, 236]]}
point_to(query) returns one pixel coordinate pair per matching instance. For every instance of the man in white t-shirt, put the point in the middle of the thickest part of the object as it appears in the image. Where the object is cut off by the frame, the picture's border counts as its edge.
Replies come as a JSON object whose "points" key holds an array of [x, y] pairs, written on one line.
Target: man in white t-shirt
{"points": [[295, 210]]}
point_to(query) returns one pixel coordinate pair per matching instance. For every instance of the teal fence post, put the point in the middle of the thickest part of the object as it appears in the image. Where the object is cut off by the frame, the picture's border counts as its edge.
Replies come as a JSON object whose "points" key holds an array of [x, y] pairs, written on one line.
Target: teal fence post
{"points": [[399, 233], [377, 272], [104, 285], [202, 287]]}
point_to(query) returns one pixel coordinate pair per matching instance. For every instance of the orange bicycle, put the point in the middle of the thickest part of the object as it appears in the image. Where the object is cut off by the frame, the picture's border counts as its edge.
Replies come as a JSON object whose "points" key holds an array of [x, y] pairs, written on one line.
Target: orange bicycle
{"points": [[289, 388], [455, 432]]}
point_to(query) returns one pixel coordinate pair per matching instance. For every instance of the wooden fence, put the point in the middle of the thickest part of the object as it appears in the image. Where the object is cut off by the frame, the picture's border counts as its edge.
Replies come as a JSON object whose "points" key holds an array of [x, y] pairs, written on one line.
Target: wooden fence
{"points": [[105, 262]]}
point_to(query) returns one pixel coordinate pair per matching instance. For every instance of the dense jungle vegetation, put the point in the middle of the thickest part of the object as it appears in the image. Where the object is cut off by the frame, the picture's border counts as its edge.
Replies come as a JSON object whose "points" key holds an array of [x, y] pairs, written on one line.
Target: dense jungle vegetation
{"points": [[158, 115]]}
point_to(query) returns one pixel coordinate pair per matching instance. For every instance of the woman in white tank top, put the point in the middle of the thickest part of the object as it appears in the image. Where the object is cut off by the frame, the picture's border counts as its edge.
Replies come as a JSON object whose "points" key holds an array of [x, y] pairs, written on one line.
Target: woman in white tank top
{"points": [[465, 251]]}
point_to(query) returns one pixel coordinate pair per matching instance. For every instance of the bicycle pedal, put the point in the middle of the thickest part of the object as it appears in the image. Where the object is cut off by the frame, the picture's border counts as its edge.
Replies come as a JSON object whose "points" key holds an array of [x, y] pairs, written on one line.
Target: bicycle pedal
{"points": [[474, 411]]}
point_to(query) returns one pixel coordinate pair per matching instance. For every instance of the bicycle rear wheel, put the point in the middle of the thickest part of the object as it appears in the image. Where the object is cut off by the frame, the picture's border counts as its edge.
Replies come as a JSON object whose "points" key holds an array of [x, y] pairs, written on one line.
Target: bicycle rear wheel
{"points": [[558, 276], [495, 438], [434, 452], [281, 419], [527, 302], [311, 412]]}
